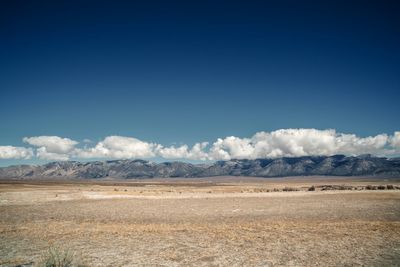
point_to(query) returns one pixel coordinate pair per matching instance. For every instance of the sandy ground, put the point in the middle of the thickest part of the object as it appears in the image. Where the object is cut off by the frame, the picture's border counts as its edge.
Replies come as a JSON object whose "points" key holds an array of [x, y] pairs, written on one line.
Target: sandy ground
{"points": [[202, 222]]}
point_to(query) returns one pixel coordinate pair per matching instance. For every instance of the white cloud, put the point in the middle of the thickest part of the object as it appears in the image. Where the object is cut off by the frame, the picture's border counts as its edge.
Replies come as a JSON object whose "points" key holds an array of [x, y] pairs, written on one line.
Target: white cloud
{"points": [[174, 152], [183, 152], [299, 142], [197, 152], [53, 144], [279, 143], [351, 144], [52, 147], [231, 147], [42, 153], [12, 152], [120, 147], [395, 140]]}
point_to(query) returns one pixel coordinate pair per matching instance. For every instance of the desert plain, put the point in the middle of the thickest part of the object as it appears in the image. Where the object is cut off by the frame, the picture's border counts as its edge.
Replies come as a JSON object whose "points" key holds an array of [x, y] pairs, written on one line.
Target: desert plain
{"points": [[216, 221]]}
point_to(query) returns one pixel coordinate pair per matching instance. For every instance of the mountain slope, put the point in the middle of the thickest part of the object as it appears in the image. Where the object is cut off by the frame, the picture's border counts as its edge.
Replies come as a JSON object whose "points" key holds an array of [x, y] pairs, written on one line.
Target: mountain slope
{"points": [[337, 165]]}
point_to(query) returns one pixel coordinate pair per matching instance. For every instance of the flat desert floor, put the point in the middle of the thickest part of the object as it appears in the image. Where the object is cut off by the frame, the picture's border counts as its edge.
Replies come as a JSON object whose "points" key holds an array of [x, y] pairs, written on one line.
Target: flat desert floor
{"points": [[221, 221]]}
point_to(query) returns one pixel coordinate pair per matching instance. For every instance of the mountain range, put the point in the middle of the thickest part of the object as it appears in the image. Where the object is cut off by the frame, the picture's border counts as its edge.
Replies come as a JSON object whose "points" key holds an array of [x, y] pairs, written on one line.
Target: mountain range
{"points": [[337, 165]]}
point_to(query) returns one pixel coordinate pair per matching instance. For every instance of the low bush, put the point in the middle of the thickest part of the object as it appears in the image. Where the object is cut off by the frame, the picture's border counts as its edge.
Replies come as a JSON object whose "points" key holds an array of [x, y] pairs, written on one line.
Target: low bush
{"points": [[371, 187], [287, 189], [56, 257]]}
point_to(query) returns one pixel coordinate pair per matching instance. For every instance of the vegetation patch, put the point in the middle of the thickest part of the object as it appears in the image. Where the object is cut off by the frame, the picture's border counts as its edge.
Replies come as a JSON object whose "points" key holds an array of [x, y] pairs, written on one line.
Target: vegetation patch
{"points": [[56, 257]]}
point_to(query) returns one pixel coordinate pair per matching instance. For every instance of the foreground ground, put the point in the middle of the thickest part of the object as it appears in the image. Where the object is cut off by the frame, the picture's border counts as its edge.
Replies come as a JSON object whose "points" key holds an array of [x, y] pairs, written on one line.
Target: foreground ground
{"points": [[203, 222]]}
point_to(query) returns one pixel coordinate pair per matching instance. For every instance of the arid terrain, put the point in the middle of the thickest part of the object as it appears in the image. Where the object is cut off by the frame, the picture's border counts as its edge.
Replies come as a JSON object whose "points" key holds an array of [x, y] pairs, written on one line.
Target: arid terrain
{"points": [[225, 221]]}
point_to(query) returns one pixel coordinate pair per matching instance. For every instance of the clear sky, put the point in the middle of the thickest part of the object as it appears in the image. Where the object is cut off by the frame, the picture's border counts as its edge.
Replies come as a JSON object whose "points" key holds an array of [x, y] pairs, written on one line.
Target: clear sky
{"points": [[176, 73]]}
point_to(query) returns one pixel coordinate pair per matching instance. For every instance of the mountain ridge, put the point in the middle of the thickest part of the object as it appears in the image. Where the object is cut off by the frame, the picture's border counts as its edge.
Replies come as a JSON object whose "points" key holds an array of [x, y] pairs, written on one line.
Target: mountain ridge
{"points": [[336, 165]]}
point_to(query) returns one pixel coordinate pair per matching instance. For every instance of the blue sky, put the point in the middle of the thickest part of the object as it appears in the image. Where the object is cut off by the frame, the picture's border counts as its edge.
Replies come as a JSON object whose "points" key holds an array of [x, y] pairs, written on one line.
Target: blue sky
{"points": [[181, 72]]}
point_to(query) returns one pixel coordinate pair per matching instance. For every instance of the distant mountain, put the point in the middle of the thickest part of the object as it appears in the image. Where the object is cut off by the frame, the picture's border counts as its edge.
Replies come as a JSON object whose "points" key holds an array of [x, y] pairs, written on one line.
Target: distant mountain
{"points": [[338, 165]]}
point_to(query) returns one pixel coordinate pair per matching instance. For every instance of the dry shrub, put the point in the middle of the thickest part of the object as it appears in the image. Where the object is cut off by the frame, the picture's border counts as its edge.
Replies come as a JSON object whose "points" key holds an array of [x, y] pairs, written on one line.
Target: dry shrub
{"points": [[56, 257], [390, 187], [370, 187], [381, 187], [344, 187], [288, 189], [312, 188], [326, 187]]}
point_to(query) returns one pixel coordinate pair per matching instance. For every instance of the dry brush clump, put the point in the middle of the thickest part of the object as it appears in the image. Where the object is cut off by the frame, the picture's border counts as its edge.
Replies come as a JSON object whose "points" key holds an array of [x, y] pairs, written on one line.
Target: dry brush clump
{"points": [[260, 190], [56, 257], [289, 189], [381, 187], [336, 187], [371, 187]]}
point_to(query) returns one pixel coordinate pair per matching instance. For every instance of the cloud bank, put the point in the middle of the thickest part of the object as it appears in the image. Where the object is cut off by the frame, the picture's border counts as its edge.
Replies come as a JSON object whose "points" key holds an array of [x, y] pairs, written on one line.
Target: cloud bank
{"points": [[119, 147], [279, 143], [12, 152], [52, 147]]}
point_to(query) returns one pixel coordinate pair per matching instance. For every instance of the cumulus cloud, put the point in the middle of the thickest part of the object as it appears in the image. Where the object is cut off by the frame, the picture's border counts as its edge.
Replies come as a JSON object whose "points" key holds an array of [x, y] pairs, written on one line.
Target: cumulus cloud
{"points": [[297, 142], [52, 144], [43, 153], [279, 143], [395, 140], [183, 152], [120, 147], [52, 147], [231, 147], [12, 152]]}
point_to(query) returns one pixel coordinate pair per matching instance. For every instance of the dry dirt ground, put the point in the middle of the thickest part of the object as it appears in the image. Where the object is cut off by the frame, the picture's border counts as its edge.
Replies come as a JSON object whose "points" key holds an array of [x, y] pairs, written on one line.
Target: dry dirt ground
{"points": [[202, 222]]}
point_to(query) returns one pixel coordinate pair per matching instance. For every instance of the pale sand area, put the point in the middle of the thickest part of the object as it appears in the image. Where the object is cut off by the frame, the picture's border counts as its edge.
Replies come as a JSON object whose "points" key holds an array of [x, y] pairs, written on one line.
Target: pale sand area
{"points": [[203, 222]]}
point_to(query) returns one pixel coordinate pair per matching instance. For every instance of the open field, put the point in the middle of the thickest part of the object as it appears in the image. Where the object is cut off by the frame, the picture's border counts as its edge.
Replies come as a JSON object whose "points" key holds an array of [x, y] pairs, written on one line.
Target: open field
{"points": [[224, 221]]}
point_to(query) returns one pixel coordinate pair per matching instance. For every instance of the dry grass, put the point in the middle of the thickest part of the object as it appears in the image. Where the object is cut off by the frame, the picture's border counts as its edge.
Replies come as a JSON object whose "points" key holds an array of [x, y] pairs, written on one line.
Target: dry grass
{"points": [[205, 225], [58, 257]]}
